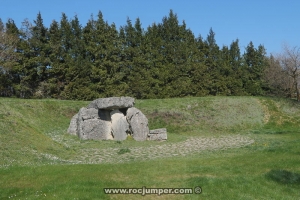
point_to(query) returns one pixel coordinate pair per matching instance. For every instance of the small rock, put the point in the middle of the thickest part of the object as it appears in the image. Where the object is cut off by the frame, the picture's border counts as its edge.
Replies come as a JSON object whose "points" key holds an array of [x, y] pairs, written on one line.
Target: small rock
{"points": [[158, 134]]}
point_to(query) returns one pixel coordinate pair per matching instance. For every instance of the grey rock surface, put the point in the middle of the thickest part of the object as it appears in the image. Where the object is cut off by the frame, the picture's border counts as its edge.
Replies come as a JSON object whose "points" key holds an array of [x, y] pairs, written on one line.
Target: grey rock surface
{"points": [[73, 125], [95, 129], [119, 125], [138, 124], [158, 134], [94, 124], [112, 103], [104, 119], [158, 131], [85, 114]]}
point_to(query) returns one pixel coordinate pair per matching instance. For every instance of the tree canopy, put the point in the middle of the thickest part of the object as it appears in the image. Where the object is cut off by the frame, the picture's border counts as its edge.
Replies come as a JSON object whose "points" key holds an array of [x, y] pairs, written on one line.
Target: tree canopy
{"points": [[70, 61]]}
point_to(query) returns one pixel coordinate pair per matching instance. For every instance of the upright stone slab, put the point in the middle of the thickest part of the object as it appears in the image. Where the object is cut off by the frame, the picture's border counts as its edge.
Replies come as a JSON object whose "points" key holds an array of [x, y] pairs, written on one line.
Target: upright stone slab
{"points": [[112, 103], [138, 124], [73, 125], [119, 125], [94, 124]]}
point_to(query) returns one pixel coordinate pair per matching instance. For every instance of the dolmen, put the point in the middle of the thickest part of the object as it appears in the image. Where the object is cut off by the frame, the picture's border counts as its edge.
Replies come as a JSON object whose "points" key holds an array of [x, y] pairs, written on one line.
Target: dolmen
{"points": [[113, 118]]}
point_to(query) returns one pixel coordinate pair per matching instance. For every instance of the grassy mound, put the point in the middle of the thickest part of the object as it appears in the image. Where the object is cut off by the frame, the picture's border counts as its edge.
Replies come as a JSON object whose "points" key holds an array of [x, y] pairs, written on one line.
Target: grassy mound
{"points": [[34, 131], [40, 160]]}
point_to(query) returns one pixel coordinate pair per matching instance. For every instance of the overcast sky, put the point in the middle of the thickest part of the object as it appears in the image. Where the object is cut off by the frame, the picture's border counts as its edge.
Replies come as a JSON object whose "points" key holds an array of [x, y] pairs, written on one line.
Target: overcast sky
{"points": [[266, 22]]}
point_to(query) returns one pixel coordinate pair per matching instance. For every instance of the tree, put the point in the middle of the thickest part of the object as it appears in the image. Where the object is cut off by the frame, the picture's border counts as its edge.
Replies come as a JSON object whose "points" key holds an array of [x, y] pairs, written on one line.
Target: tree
{"points": [[199, 72], [105, 56], [237, 74], [8, 58], [14, 69], [1, 25], [78, 71], [155, 61], [8, 45], [214, 63], [136, 62], [55, 82], [278, 82], [95, 36], [170, 55], [255, 64], [290, 60], [39, 56], [65, 32]]}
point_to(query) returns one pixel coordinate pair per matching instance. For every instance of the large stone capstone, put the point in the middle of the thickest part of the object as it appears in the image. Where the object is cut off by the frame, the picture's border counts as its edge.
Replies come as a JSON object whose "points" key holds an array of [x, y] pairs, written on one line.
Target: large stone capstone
{"points": [[113, 119], [112, 103]]}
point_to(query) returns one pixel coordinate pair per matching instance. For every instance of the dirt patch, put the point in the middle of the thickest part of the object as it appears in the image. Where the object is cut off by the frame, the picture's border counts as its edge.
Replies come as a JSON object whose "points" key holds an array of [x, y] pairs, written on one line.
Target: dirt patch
{"points": [[265, 108]]}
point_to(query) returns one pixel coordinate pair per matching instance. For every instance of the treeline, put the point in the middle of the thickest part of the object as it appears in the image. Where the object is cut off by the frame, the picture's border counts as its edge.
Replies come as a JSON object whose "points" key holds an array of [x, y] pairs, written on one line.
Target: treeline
{"points": [[71, 61]]}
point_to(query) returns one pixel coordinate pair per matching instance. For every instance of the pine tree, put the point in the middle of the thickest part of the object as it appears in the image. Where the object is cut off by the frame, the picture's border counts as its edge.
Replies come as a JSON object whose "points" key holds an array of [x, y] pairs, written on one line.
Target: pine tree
{"points": [[199, 74], [225, 70], [235, 74], [79, 70], [65, 55], [136, 63], [104, 52], [56, 77], [155, 62], [39, 46], [25, 71], [169, 30], [255, 62], [172, 56], [184, 58], [116, 71], [212, 62], [94, 37]]}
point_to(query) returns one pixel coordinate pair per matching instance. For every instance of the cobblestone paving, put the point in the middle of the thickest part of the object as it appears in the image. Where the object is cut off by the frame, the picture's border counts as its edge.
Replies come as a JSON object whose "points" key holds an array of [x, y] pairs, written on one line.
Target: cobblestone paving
{"points": [[190, 146]]}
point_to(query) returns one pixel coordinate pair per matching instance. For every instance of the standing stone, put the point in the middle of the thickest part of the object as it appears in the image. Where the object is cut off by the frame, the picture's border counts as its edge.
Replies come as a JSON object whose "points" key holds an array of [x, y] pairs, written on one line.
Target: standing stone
{"points": [[119, 125], [138, 124], [94, 124], [73, 125], [112, 103]]}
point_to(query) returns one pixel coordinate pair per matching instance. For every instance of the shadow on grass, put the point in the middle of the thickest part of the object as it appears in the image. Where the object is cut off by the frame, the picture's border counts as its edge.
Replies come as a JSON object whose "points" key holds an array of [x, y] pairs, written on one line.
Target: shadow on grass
{"points": [[274, 131], [284, 176]]}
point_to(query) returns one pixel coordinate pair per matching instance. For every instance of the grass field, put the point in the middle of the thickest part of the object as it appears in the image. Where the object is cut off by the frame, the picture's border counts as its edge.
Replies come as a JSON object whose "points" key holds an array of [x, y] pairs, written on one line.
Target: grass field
{"points": [[232, 147]]}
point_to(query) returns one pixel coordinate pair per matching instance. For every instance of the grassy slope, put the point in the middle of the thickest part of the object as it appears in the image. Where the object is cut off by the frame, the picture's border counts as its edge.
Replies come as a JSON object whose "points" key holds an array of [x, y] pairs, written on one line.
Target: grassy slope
{"points": [[32, 136]]}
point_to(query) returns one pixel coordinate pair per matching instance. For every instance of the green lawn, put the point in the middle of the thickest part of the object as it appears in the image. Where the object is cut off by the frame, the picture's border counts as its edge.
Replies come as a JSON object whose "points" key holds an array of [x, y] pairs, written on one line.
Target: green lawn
{"points": [[40, 161]]}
